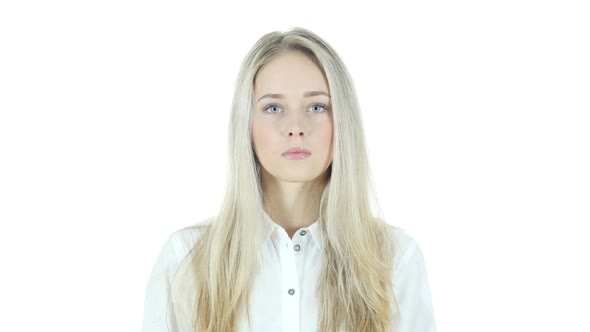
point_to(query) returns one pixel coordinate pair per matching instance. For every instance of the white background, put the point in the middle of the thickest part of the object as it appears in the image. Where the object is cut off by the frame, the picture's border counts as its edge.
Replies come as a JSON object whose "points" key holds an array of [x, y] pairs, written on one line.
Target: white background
{"points": [[113, 127]]}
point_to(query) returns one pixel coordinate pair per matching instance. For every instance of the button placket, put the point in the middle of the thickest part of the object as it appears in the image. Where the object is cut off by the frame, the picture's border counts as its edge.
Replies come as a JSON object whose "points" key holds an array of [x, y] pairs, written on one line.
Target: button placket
{"points": [[297, 247], [291, 300], [302, 250]]}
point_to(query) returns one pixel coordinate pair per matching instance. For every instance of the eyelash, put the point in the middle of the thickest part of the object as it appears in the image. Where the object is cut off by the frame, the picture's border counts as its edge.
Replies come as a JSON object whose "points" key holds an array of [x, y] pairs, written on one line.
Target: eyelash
{"points": [[325, 107]]}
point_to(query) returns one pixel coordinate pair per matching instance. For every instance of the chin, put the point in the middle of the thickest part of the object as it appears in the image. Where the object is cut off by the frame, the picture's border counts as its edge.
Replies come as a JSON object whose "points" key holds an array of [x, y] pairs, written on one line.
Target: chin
{"points": [[297, 176]]}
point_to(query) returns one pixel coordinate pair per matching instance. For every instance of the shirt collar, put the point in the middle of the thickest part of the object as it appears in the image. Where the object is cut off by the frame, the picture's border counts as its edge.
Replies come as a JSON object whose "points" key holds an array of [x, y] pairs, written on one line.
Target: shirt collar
{"points": [[314, 230]]}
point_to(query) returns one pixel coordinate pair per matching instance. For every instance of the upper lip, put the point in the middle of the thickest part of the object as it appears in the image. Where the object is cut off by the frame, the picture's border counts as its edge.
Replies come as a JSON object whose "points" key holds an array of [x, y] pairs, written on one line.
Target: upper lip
{"points": [[296, 150]]}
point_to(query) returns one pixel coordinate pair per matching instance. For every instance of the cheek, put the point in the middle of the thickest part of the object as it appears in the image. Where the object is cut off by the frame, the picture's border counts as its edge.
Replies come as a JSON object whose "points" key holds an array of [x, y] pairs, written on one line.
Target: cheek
{"points": [[261, 134], [255, 135], [327, 135]]}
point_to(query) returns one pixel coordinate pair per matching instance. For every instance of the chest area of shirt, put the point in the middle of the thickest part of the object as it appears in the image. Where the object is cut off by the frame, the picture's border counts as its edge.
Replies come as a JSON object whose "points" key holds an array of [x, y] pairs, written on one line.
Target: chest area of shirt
{"points": [[283, 297]]}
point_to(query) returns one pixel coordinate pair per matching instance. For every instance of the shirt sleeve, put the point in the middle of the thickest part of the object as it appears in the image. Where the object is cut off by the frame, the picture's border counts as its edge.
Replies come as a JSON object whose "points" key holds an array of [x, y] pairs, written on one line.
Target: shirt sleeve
{"points": [[412, 289], [159, 314]]}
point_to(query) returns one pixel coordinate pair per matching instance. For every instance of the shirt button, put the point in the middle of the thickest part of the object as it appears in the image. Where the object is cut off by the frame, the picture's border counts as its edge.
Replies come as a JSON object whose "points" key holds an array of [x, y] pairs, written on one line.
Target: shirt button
{"points": [[303, 232], [291, 291], [297, 247]]}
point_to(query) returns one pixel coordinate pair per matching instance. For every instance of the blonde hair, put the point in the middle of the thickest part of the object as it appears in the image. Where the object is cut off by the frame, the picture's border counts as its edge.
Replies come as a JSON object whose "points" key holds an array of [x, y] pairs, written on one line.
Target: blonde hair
{"points": [[355, 290]]}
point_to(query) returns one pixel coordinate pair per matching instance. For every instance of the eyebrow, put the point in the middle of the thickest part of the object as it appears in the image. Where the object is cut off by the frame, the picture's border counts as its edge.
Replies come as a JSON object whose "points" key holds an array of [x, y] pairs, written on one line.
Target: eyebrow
{"points": [[281, 96]]}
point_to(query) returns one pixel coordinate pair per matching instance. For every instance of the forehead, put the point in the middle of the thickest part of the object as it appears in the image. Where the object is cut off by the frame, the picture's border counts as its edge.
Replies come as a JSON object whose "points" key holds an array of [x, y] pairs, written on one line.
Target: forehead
{"points": [[290, 72]]}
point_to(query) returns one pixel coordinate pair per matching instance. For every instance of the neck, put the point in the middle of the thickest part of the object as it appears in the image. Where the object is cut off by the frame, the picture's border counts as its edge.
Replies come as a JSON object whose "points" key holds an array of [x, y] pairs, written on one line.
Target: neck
{"points": [[292, 205]]}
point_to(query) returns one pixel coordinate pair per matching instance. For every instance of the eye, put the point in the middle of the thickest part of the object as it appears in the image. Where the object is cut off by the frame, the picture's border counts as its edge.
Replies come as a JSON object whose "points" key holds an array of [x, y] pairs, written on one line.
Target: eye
{"points": [[271, 107], [315, 106]]}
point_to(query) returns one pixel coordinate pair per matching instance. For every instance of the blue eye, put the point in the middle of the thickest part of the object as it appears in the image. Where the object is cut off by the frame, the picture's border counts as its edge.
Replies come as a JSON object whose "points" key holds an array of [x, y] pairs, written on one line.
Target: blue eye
{"points": [[271, 106], [320, 105], [314, 106]]}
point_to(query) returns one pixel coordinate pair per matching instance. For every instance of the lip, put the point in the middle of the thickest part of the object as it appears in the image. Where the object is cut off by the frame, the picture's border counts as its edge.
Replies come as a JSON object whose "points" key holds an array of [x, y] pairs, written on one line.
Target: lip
{"points": [[296, 150], [296, 153]]}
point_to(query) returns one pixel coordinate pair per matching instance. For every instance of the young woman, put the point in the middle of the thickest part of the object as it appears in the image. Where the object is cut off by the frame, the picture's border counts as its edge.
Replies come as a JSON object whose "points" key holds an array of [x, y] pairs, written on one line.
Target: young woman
{"points": [[297, 245]]}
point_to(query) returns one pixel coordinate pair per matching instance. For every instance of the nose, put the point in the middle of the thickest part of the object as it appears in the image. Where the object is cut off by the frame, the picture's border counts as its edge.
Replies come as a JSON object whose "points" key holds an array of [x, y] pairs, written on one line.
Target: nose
{"points": [[296, 131], [296, 124]]}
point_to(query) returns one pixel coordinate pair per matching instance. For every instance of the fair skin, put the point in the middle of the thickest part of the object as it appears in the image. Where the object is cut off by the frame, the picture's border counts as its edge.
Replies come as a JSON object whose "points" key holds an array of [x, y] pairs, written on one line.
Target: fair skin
{"points": [[292, 118]]}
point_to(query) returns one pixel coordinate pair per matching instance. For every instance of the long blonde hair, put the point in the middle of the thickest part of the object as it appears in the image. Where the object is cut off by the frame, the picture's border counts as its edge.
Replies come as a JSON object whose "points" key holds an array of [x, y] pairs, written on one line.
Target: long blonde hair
{"points": [[354, 290]]}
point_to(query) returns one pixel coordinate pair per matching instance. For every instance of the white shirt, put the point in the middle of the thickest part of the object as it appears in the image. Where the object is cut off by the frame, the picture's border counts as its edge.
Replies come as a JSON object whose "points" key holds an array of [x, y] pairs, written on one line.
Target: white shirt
{"points": [[283, 297]]}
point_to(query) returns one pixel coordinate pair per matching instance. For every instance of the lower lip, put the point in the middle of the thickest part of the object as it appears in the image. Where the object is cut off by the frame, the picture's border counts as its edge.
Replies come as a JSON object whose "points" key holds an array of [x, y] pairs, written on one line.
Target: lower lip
{"points": [[296, 156]]}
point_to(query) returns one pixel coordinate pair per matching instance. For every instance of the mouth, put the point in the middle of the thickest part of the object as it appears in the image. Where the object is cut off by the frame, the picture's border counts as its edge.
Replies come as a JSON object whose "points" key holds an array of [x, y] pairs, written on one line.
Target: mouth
{"points": [[296, 153]]}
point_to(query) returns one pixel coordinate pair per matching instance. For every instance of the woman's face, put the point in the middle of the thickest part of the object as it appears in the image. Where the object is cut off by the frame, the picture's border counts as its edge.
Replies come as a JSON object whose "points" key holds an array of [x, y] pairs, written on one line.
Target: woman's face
{"points": [[297, 114]]}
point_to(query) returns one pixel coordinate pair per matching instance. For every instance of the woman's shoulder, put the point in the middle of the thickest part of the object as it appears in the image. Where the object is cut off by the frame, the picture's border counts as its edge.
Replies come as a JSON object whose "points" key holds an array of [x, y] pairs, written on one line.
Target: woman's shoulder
{"points": [[411, 285], [406, 247], [175, 249], [179, 243]]}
